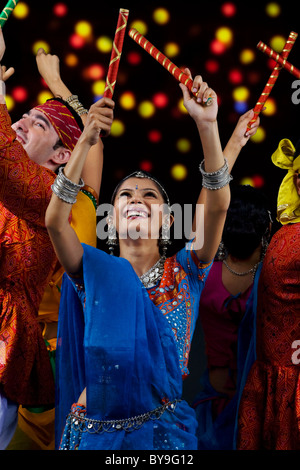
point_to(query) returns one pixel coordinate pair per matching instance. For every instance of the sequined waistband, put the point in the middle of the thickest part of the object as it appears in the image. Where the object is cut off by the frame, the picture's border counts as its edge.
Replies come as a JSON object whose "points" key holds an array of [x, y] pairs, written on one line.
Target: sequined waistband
{"points": [[78, 420]]}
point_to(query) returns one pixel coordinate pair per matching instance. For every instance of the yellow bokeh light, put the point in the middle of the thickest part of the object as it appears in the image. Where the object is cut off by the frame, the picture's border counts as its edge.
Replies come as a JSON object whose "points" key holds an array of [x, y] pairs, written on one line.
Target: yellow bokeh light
{"points": [[40, 44], [146, 109], [171, 49], [127, 100], [181, 107], [161, 15], [183, 145], [140, 26], [241, 93], [273, 9], [247, 56], [179, 171], [10, 102], [246, 181], [117, 128], [104, 44], [259, 136], [83, 29], [43, 96], [224, 35], [21, 10], [277, 43], [71, 60], [271, 107], [98, 87]]}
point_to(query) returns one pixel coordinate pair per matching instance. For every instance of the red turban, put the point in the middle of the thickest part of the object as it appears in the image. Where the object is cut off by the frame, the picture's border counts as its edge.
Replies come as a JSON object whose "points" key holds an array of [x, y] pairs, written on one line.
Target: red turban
{"points": [[63, 121]]}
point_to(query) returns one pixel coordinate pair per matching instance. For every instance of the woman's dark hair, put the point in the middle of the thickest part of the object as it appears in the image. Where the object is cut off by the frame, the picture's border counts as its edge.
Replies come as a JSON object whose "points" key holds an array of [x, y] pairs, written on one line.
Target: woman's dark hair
{"points": [[247, 222]]}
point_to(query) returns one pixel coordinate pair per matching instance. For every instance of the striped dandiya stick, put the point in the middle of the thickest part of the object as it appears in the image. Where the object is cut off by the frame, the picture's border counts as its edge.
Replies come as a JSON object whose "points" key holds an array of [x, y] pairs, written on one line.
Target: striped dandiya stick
{"points": [[164, 61], [116, 52], [278, 58], [7, 11], [272, 79]]}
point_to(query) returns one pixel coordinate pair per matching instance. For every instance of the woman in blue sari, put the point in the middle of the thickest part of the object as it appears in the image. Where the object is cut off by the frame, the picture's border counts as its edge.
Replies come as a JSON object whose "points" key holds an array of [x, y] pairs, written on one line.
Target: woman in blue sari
{"points": [[126, 323]]}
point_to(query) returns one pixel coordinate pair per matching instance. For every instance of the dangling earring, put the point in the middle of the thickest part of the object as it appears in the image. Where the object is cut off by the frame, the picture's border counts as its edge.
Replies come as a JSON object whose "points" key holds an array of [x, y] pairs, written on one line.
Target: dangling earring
{"points": [[164, 240], [112, 240], [222, 252], [264, 247]]}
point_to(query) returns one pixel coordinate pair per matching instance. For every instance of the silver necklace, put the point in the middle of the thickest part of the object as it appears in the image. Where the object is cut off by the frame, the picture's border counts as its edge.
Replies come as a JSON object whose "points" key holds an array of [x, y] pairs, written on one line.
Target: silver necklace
{"points": [[252, 270], [154, 274]]}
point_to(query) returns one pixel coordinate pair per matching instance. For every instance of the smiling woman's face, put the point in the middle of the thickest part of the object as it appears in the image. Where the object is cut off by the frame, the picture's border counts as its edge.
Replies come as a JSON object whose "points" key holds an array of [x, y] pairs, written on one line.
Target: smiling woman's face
{"points": [[138, 209]]}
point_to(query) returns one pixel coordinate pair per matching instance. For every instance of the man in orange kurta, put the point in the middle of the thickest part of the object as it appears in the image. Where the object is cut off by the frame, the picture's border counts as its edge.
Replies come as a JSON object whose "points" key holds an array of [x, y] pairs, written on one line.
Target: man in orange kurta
{"points": [[30, 151]]}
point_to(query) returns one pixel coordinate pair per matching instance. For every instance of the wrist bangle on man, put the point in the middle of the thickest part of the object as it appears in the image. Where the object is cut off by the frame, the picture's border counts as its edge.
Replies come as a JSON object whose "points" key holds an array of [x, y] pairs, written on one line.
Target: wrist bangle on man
{"points": [[65, 189], [216, 179], [74, 102], [2, 88]]}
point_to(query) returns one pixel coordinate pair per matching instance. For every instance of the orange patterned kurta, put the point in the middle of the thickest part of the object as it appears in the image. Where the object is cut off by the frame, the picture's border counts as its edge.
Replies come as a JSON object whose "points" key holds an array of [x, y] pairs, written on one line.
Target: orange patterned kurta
{"points": [[269, 414], [27, 261]]}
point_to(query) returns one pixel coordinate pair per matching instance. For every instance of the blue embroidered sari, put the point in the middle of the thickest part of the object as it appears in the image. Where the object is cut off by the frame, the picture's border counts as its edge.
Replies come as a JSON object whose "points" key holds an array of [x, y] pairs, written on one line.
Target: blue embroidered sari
{"points": [[122, 349]]}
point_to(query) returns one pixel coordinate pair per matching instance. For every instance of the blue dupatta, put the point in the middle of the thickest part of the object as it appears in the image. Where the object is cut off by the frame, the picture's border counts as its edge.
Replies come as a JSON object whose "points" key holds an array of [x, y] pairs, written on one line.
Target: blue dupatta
{"points": [[122, 349], [221, 433]]}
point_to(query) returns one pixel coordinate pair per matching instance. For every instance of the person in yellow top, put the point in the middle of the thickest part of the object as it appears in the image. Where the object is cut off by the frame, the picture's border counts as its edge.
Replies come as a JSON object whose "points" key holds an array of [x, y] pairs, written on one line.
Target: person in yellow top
{"points": [[35, 429]]}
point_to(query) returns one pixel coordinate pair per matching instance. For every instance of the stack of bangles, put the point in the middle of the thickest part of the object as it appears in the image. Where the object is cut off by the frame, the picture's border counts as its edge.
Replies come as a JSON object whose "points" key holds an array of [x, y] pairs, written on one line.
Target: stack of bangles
{"points": [[216, 179], [76, 105], [65, 189]]}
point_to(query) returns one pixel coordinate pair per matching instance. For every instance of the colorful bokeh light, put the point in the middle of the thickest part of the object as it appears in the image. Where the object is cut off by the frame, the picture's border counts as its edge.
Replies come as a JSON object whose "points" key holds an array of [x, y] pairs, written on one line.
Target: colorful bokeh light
{"points": [[228, 9], [60, 9], [160, 100], [40, 44], [21, 11], [179, 172], [146, 109], [127, 100], [171, 49], [161, 16], [104, 44]]}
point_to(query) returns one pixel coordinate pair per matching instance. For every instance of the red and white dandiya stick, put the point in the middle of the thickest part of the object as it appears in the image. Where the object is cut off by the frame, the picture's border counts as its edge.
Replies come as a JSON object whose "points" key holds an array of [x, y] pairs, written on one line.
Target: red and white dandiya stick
{"points": [[163, 60], [113, 68], [278, 58], [273, 77]]}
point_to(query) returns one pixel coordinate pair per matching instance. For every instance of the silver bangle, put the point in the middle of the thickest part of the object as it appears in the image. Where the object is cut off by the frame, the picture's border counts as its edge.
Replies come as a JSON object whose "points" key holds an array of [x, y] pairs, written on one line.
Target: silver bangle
{"points": [[216, 179], [2, 88], [65, 189]]}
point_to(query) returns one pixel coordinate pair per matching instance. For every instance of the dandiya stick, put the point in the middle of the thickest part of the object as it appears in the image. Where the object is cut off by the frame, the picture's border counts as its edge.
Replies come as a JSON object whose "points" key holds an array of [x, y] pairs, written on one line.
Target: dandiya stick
{"points": [[164, 61], [278, 58], [113, 68], [273, 77], [7, 11]]}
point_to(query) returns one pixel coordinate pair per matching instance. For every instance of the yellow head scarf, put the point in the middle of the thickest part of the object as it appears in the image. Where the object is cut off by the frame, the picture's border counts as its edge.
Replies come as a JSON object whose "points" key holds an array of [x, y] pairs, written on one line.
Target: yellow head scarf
{"points": [[288, 201]]}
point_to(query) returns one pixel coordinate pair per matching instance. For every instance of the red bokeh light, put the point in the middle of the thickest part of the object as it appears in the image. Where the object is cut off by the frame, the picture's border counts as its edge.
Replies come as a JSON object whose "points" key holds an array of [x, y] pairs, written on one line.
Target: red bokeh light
{"points": [[258, 181], [154, 136], [228, 9], [146, 165], [160, 100], [76, 41], [60, 9], [19, 94], [217, 47], [212, 66], [235, 76], [134, 58]]}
